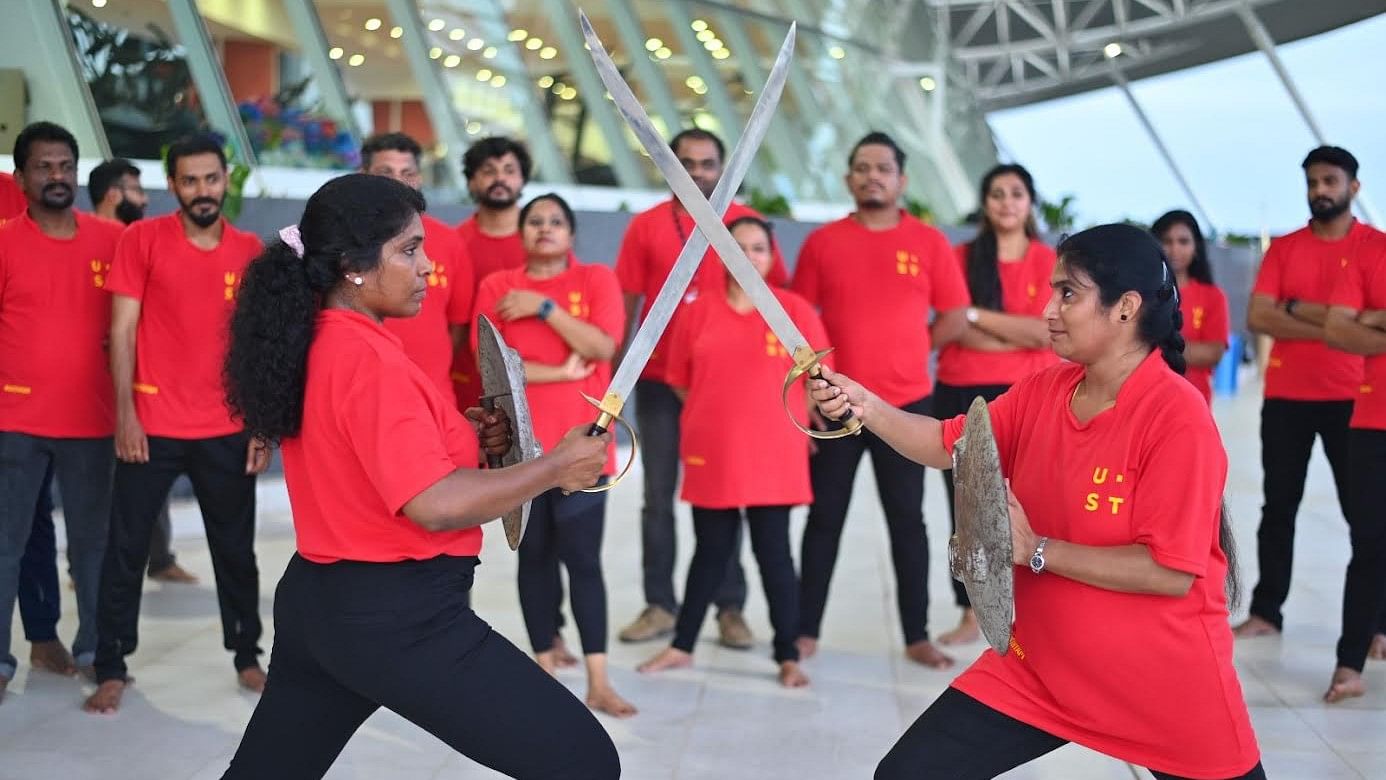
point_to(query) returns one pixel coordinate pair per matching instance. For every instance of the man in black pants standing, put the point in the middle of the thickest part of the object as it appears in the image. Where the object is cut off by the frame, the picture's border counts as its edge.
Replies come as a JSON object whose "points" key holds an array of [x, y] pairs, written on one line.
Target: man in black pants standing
{"points": [[1309, 386], [876, 274], [175, 280]]}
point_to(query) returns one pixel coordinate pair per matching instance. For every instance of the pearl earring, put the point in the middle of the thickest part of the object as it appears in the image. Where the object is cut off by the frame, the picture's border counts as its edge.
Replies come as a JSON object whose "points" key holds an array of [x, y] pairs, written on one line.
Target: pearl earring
{"points": [[358, 281]]}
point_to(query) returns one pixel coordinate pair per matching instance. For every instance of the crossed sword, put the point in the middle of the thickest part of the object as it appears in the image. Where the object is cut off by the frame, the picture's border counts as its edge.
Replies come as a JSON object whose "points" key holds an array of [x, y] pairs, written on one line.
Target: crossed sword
{"points": [[710, 229]]}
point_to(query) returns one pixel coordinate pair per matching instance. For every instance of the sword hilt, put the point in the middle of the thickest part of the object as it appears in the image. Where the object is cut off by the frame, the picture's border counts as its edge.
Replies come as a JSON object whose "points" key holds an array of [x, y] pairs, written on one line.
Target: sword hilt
{"points": [[847, 420], [809, 363]]}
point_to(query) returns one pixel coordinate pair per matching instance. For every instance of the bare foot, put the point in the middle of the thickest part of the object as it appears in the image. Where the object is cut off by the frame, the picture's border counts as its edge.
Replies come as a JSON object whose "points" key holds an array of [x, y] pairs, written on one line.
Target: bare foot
{"points": [[668, 658], [1254, 626], [808, 646], [252, 678], [547, 662], [967, 630], [561, 657], [174, 573], [1378, 649], [791, 676], [1347, 684], [924, 653], [106, 700], [52, 657], [606, 700]]}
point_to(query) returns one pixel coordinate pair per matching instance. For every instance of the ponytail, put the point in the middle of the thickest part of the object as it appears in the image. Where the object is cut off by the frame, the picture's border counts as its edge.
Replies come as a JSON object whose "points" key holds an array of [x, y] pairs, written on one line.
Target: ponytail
{"points": [[344, 225], [1171, 341]]}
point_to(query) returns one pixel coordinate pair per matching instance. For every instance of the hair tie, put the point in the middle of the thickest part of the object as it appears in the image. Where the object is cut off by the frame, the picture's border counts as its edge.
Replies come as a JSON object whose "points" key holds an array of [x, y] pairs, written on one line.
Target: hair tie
{"points": [[293, 239]]}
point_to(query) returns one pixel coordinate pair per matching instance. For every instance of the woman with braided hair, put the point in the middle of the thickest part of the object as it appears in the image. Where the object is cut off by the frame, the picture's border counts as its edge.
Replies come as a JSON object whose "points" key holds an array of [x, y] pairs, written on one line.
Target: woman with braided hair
{"points": [[1121, 640]]}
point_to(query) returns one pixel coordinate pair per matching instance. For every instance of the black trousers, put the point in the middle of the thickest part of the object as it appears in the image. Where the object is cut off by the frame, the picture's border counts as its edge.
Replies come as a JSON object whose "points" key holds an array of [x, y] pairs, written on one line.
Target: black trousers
{"points": [[568, 530], [657, 411], [353, 637], [1288, 429], [716, 532], [951, 401], [40, 600], [960, 738], [1364, 586], [226, 496]]}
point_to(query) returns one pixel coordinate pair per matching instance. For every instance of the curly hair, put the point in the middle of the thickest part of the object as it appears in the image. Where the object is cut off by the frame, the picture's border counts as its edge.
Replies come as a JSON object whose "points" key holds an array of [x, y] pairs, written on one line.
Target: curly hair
{"points": [[344, 226]]}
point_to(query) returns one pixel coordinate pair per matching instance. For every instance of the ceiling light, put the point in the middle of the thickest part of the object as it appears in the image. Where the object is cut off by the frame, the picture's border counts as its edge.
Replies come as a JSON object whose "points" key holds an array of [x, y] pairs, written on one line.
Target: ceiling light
{"points": [[928, 84], [721, 54], [699, 25], [437, 25], [518, 34], [498, 81], [1112, 50], [490, 53], [545, 82], [653, 44], [475, 44], [714, 45], [356, 60], [483, 75], [98, 3], [664, 53], [706, 35], [396, 32], [452, 61], [548, 53], [569, 93], [372, 24], [534, 44], [473, 127], [435, 52], [457, 33], [335, 52], [837, 52]]}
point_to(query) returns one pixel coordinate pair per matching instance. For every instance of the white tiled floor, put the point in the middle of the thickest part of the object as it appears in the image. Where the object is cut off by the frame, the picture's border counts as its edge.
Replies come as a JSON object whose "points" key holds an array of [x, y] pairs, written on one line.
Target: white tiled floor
{"points": [[726, 718]]}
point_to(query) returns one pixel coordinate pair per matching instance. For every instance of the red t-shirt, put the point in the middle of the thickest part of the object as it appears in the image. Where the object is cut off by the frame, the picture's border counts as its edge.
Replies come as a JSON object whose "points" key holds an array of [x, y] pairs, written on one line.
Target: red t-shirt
{"points": [[714, 350], [1305, 267], [649, 250], [187, 295], [589, 293], [448, 302], [376, 433], [1147, 679], [875, 289], [1362, 286], [1204, 308], [489, 254], [1025, 293], [55, 320], [12, 199]]}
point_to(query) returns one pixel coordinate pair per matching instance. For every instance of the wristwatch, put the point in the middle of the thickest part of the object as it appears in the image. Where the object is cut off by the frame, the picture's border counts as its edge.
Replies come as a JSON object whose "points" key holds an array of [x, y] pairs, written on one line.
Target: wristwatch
{"points": [[1290, 306], [973, 315], [546, 308], [1037, 559]]}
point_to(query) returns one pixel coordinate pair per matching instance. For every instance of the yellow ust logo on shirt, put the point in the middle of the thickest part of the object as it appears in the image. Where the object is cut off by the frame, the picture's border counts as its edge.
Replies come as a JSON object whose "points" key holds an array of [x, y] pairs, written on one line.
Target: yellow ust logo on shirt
{"points": [[575, 305], [438, 277], [229, 278], [99, 270], [906, 263], [1198, 318], [1095, 500], [773, 348]]}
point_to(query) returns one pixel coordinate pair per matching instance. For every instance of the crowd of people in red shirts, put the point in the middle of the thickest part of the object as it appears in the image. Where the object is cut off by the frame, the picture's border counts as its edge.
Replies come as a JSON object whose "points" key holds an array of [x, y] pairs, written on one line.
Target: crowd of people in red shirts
{"points": [[137, 350]]}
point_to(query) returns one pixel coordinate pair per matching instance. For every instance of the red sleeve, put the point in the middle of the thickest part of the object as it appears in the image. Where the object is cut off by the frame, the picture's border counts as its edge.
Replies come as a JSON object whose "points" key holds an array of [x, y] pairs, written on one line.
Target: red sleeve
{"points": [[487, 296], [1350, 289], [384, 417], [1177, 498], [947, 287], [806, 273], [678, 365], [460, 282], [607, 307], [1268, 278], [631, 260], [130, 265]]}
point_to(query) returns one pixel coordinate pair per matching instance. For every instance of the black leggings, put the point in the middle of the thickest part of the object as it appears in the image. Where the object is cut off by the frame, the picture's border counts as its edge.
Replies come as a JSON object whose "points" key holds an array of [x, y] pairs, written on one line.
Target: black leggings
{"points": [[716, 533], [353, 637], [566, 529], [951, 401], [961, 738]]}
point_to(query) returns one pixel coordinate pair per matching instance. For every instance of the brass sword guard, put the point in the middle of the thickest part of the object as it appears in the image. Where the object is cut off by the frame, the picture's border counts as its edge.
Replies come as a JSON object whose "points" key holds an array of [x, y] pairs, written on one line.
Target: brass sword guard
{"points": [[604, 422], [807, 362]]}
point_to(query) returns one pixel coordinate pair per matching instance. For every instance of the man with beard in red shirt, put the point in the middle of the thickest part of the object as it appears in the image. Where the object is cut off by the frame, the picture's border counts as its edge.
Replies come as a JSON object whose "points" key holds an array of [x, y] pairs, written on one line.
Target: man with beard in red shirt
{"points": [[175, 280], [56, 411]]}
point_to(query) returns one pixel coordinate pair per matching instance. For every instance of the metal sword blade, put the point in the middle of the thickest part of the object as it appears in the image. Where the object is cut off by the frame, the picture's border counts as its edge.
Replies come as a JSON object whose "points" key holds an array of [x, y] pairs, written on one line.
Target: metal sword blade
{"points": [[703, 213], [686, 266]]}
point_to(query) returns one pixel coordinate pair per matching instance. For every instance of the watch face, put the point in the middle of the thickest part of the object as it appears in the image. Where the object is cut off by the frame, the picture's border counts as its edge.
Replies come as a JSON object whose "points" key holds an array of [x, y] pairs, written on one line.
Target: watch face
{"points": [[1036, 562]]}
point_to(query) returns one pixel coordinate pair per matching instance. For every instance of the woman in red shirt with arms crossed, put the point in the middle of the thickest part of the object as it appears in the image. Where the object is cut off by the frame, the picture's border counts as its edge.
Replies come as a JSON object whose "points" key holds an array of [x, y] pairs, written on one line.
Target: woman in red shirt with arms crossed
{"points": [[387, 507], [1200, 301], [1007, 268], [1121, 640], [745, 455], [565, 318]]}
